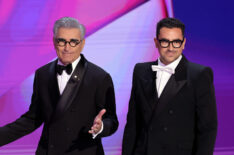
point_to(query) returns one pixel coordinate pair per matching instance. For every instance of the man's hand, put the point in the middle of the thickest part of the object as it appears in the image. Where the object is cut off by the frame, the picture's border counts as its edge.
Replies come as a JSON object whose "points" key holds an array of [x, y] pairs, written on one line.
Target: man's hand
{"points": [[97, 123]]}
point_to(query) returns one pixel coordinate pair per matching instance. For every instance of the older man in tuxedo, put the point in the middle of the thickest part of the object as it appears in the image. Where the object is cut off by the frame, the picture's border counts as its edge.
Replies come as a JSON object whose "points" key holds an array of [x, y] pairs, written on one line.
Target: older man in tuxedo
{"points": [[72, 97], [172, 109]]}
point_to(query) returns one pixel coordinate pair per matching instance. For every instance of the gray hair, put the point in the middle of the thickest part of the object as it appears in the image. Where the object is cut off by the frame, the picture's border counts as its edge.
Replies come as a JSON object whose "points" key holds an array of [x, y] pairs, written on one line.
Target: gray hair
{"points": [[68, 22]]}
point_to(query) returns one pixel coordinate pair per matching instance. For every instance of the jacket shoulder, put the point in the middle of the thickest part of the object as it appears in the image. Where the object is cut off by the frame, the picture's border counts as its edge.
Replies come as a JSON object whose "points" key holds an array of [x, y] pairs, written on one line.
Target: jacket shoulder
{"points": [[144, 65], [95, 69], [195, 67], [142, 69], [46, 66], [96, 73], [197, 70]]}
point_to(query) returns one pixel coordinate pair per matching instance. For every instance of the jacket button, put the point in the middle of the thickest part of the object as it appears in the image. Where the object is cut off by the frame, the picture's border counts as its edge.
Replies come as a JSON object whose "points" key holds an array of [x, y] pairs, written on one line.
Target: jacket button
{"points": [[165, 129], [67, 129], [51, 146], [170, 111]]}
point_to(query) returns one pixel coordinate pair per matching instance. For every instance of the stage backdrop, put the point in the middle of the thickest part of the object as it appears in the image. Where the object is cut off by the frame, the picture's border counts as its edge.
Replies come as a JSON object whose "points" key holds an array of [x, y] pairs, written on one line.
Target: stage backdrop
{"points": [[119, 34]]}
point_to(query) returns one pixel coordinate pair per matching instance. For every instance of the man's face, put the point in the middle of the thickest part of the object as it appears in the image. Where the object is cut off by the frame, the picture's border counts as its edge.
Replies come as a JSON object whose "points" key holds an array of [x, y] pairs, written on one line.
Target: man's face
{"points": [[67, 54], [170, 53]]}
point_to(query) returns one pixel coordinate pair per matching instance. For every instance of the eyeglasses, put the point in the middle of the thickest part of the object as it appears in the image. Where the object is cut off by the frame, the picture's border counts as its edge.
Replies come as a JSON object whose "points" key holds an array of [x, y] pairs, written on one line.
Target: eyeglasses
{"points": [[62, 42], [164, 43]]}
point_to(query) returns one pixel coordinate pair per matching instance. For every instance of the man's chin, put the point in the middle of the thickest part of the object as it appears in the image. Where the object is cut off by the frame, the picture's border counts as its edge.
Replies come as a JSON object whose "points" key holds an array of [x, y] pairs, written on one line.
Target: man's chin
{"points": [[169, 60], [66, 62]]}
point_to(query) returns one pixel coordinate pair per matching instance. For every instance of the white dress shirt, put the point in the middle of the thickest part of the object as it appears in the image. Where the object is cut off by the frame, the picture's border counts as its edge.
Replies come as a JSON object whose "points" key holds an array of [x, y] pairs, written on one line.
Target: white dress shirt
{"points": [[162, 77], [64, 77]]}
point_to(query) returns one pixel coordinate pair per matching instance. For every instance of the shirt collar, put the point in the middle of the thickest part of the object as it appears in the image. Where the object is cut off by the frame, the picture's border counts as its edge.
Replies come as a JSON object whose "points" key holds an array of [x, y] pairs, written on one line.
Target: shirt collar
{"points": [[172, 65], [74, 63]]}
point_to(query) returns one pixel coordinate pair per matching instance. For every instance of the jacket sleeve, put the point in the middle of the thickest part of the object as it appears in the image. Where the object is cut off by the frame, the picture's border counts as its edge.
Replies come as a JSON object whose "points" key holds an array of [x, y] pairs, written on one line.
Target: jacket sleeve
{"points": [[130, 131], [24, 125], [106, 100], [206, 114]]}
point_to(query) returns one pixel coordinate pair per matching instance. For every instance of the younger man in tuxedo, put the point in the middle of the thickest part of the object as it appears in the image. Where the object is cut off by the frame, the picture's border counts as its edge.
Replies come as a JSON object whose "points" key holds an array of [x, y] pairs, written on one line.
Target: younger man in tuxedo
{"points": [[172, 109]]}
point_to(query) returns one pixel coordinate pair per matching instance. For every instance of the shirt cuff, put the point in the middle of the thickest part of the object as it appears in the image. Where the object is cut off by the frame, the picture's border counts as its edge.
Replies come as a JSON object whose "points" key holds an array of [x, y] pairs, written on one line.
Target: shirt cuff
{"points": [[95, 135]]}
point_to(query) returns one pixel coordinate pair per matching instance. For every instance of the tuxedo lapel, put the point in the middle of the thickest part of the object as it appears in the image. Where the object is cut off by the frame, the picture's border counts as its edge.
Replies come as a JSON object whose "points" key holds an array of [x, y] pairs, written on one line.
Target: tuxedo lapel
{"points": [[173, 86], [71, 89], [149, 86], [53, 84]]}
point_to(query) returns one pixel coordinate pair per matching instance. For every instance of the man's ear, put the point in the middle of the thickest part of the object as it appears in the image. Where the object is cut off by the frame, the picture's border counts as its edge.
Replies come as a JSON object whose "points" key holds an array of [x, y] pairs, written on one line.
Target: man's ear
{"points": [[82, 44], [54, 41], [183, 45], [156, 42]]}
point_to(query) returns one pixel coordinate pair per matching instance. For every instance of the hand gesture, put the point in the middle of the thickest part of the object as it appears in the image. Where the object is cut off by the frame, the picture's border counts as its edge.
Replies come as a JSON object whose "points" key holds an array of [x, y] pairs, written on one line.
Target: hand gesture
{"points": [[97, 123]]}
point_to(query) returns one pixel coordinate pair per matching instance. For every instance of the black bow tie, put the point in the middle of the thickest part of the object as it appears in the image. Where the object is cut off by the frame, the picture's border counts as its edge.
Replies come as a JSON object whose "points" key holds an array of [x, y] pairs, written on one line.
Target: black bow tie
{"points": [[67, 68]]}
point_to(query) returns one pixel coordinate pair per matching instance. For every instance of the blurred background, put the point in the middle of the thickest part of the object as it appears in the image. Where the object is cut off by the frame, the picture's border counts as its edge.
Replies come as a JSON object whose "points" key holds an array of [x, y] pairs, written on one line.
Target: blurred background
{"points": [[119, 34]]}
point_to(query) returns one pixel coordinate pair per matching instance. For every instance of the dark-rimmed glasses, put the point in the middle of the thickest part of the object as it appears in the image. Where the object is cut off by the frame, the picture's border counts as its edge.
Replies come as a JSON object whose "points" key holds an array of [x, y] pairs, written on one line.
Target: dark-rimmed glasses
{"points": [[62, 42], [164, 43]]}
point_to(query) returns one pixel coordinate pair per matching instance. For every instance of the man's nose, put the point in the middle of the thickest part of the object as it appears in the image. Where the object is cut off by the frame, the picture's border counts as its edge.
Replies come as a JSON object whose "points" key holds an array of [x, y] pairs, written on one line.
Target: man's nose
{"points": [[67, 46], [170, 46]]}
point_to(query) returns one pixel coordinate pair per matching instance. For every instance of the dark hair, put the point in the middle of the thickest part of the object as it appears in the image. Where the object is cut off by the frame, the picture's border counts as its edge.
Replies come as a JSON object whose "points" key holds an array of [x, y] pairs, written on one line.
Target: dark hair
{"points": [[170, 23]]}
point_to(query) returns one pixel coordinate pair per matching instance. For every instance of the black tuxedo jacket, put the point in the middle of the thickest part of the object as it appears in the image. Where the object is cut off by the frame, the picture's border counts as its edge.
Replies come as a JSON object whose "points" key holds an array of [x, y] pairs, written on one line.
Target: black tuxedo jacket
{"points": [[183, 121], [67, 118]]}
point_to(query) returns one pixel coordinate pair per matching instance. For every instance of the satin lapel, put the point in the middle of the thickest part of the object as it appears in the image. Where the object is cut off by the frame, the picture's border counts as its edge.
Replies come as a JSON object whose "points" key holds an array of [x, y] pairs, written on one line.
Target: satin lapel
{"points": [[71, 89], [149, 86], [173, 86], [53, 84]]}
